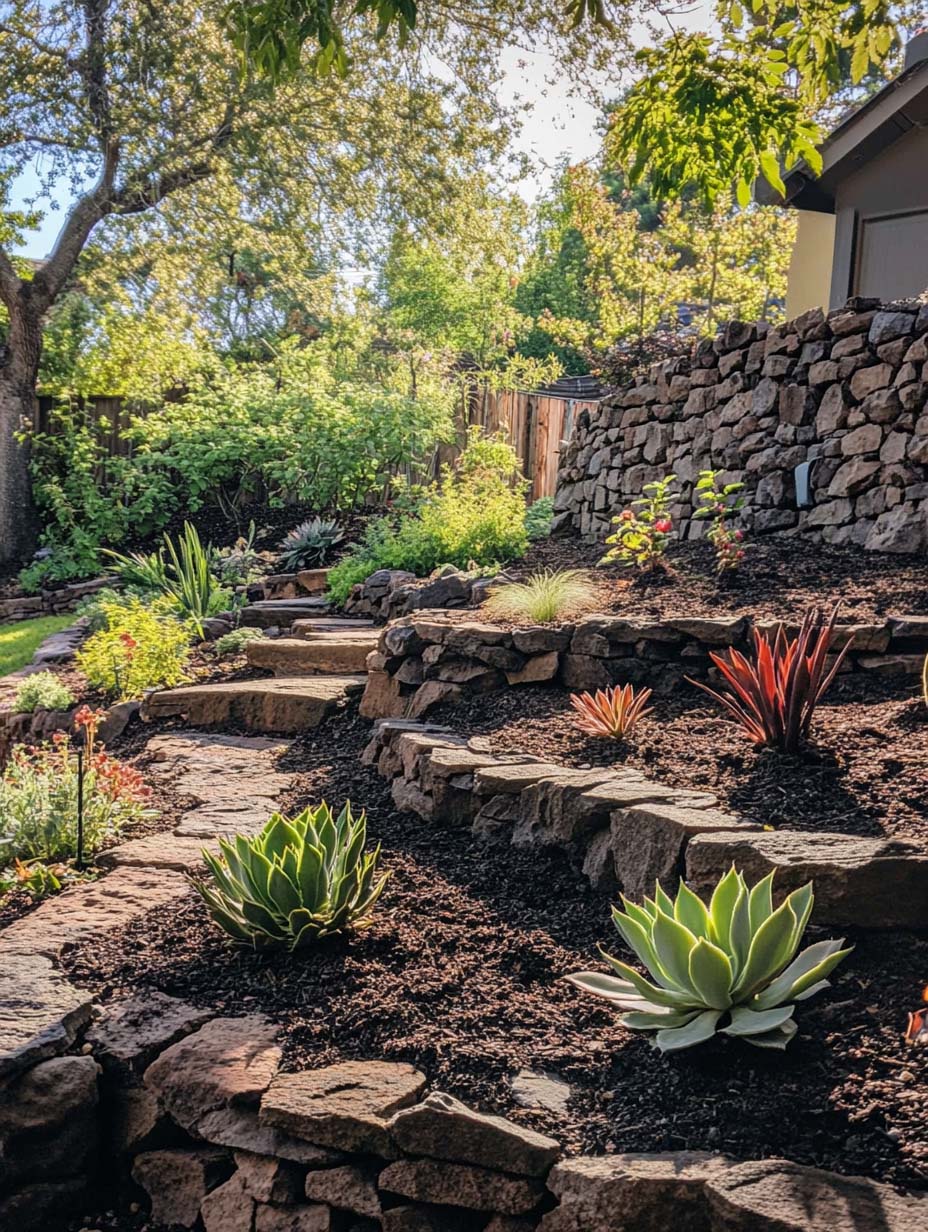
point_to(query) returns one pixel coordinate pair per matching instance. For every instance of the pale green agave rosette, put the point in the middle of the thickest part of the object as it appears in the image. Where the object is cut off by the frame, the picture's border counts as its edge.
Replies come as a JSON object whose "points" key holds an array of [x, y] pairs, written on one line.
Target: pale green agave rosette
{"points": [[298, 880], [734, 959]]}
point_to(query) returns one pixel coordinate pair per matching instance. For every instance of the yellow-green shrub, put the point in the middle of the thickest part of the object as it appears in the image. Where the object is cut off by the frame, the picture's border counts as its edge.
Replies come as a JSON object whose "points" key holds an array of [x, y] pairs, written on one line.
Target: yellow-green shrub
{"points": [[142, 647]]}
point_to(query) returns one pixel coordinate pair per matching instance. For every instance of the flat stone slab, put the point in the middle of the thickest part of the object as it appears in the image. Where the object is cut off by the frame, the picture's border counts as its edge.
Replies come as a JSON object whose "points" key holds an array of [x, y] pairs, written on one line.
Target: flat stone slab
{"points": [[695, 1190], [441, 1127], [93, 908], [331, 624], [228, 1062], [40, 1012], [859, 882], [269, 613], [161, 850], [129, 1035], [451, 1184], [318, 654], [345, 1106], [284, 704]]}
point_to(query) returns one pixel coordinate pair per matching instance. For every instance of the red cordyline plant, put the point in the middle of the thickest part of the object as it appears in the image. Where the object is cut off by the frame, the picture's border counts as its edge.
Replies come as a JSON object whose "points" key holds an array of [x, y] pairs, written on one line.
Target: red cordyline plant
{"points": [[610, 713], [775, 691]]}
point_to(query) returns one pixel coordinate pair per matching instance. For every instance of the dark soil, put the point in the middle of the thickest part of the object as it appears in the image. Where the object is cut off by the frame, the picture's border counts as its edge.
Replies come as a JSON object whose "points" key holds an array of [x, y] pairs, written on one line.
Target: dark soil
{"points": [[866, 772], [460, 974], [778, 578]]}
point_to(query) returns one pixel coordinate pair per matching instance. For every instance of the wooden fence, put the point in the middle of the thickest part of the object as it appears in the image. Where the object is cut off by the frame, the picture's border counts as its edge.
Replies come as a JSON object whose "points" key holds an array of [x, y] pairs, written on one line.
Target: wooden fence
{"points": [[534, 424]]}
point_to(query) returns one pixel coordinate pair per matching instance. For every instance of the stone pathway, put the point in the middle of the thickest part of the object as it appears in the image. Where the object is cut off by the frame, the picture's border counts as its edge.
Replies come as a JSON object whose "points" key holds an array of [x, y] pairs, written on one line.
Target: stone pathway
{"points": [[314, 652], [282, 704], [236, 784]]}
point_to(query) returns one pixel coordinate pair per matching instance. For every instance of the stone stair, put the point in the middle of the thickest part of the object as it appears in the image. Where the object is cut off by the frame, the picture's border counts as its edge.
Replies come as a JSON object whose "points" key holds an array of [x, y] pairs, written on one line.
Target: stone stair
{"points": [[281, 704], [314, 651], [281, 613]]}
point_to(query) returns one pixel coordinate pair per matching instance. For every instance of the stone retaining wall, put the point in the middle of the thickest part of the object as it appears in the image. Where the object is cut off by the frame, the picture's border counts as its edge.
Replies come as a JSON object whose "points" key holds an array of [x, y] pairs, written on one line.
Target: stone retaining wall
{"points": [[847, 392], [625, 831], [426, 659], [48, 602]]}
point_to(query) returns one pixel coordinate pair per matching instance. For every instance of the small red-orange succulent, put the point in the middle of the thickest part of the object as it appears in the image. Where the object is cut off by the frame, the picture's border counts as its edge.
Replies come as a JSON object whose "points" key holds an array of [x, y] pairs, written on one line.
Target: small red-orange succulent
{"points": [[610, 713]]}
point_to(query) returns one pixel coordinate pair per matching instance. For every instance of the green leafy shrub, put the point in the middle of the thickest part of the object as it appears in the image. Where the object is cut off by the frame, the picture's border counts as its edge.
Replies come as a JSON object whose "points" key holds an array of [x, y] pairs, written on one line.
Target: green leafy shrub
{"points": [[235, 642], [143, 572], [552, 594], [298, 880], [643, 530], [538, 517], [63, 565], [734, 959], [38, 797], [473, 515], [34, 877], [142, 646], [310, 544], [42, 691]]}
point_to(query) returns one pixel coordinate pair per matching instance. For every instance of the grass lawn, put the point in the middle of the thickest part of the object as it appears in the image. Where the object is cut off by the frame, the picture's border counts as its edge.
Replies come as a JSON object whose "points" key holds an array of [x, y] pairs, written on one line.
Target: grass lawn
{"points": [[19, 641]]}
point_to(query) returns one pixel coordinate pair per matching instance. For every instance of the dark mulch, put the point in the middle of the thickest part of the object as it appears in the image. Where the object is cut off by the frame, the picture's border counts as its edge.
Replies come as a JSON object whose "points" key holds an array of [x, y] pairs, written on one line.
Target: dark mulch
{"points": [[460, 975], [779, 578], [866, 772]]}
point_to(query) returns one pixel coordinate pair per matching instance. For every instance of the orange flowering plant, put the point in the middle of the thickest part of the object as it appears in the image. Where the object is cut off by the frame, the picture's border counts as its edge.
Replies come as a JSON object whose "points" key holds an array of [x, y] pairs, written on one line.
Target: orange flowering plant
{"points": [[38, 796]]}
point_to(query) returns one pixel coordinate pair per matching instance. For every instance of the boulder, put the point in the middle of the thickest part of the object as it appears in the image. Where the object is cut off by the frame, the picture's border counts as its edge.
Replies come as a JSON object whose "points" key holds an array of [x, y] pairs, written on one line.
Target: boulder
{"points": [[239, 1128], [453, 1184], [228, 1062], [344, 1106], [281, 704], [269, 1218], [267, 1179], [632, 1193], [430, 1219], [441, 1127]]}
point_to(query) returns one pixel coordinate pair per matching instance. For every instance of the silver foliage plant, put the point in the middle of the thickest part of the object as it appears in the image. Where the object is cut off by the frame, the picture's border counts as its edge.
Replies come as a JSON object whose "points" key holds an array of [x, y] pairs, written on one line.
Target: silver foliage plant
{"points": [[734, 961]]}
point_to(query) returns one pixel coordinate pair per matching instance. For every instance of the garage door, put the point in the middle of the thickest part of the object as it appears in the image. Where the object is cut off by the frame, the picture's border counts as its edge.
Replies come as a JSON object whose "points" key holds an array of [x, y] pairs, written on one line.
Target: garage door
{"points": [[893, 256]]}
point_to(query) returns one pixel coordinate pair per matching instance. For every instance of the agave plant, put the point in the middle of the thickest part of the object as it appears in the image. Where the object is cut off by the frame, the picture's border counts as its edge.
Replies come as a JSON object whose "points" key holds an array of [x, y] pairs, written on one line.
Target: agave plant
{"points": [[775, 692], [549, 595], [610, 713], [734, 959], [297, 880], [309, 544]]}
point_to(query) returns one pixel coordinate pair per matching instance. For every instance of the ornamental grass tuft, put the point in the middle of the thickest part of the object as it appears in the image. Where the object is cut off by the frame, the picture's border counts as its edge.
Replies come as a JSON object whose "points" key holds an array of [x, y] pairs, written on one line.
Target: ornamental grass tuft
{"points": [[553, 594]]}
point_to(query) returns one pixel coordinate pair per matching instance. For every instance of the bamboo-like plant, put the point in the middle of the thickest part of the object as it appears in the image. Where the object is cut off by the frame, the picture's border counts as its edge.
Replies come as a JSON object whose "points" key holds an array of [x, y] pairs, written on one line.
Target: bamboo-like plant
{"points": [[611, 713], [190, 582], [733, 959], [299, 879], [775, 692]]}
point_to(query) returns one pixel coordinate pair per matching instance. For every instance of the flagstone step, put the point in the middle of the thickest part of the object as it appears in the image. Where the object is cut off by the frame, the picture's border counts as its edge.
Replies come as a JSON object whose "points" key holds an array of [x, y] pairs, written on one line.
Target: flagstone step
{"points": [[313, 653], [281, 613], [281, 704]]}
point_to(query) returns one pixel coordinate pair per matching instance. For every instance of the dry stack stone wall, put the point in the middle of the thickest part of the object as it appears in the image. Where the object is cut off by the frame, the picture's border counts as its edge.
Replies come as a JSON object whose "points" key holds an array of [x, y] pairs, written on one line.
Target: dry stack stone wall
{"points": [[847, 392]]}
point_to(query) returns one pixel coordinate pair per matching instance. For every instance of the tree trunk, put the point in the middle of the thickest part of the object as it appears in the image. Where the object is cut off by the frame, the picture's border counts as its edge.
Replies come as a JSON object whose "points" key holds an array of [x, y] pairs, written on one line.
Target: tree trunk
{"points": [[19, 368]]}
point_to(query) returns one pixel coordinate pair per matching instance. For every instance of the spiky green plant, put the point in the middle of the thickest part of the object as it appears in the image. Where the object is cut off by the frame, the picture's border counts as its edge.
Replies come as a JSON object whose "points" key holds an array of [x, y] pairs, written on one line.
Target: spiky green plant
{"points": [[299, 879], [733, 959], [552, 594], [190, 581], [145, 571], [309, 544]]}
